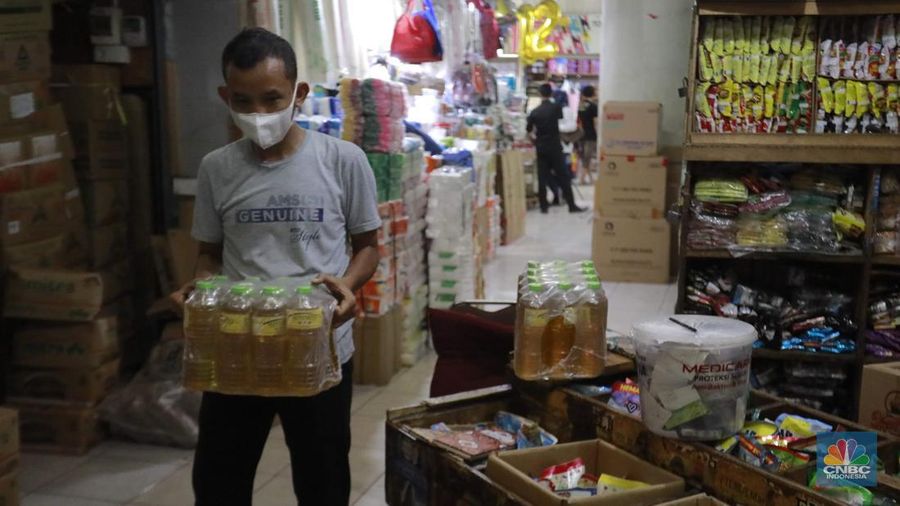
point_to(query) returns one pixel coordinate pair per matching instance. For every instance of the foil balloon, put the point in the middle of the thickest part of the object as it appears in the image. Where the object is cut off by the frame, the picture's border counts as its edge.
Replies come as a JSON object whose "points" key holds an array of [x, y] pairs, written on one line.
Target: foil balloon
{"points": [[536, 24]]}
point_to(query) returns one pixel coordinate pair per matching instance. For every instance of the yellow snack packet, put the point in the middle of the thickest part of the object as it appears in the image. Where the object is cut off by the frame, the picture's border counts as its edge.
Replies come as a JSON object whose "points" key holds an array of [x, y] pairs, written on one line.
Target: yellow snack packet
{"points": [[724, 99], [709, 31], [740, 37], [809, 37], [755, 33], [796, 67], [840, 97], [765, 34], [706, 70], [826, 94], [878, 98], [747, 100], [700, 101], [787, 32], [862, 99], [737, 97], [784, 74], [718, 71], [775, 33], [757, 102], [737, 68], [799, 35], [893, 98], [727, 36], [765, 63], [745, 68], [769, 109], [809, 66], [755, 63], [608, 484], [719, 37], [850, 108], [728, 67]]}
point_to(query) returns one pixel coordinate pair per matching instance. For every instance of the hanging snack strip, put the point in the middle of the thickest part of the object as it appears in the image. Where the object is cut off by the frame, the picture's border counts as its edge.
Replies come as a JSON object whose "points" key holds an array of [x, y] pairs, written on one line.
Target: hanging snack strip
{"points": [[756, 74]]}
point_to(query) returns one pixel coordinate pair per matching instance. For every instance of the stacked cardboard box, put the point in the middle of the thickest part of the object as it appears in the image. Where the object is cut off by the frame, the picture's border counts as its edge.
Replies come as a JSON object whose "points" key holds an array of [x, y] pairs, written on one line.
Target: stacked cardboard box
{"points": [[512, 186], [411, 261], [631, 236], [9, 457]]}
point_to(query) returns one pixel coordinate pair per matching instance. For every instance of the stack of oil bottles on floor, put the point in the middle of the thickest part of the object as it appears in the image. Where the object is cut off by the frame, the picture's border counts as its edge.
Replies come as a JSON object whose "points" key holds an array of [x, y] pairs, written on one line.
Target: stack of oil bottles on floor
{"points": [[560, 322], [257, 338]]}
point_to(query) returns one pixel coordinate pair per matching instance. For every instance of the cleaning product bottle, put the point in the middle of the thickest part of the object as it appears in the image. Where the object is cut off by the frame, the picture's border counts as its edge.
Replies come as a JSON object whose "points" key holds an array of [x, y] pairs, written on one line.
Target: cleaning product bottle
{"points": [[531, 320], [306, 335], [201, 326], [269, 341], [590, 331], [235, 340], [559, 334]]}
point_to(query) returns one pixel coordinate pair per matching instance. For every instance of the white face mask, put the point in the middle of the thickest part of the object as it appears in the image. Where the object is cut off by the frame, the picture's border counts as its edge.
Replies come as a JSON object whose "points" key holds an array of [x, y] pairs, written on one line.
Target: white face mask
{"points": [[266, 129]]}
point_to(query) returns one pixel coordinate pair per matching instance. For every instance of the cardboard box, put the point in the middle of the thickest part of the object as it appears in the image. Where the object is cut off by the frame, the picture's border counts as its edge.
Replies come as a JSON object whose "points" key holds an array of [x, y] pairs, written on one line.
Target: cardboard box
{"points": [[101, 148], [24, 57], [695, 500], [33, 215], [88, 102], [67, 345], [54, 295], [879, 399], [26, 16], [631, 187], [58, 252], [117, 280], [107, 244], [376, 335], [631, 250], [105, 201], [20, 100], [84, 75], [9, 488], [112, 54], [87, 386], [52, 427], [36, 129], [9, 433], [630, 128], [513, 470]]}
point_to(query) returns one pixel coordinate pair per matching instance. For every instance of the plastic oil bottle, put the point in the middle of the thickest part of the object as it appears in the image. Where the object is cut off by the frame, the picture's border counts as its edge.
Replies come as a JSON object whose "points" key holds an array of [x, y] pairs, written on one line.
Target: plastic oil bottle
{"points": [[306, 342], [201, 326], [559, 334], [269, 341], [590, 330], [235, 341], [531, 320]]}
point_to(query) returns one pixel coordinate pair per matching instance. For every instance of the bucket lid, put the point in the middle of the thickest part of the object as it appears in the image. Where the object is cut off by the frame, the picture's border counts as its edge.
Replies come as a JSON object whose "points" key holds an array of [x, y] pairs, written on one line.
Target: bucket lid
{"points": [[711, 331]]}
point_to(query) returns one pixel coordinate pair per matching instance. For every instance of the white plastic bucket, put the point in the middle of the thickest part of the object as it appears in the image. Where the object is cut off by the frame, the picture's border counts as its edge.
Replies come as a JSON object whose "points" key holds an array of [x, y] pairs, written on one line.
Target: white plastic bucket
{"points": [[694, 376]]}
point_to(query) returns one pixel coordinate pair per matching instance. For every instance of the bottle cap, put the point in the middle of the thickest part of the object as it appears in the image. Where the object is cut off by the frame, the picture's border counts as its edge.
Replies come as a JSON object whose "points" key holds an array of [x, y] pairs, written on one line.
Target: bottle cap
{"points": [[565, 285], [304, 289], [593, 285], [272, 290], [533, 264], [205, 285], [219, 279], [588, 263], [536, 287], [240, 289]]}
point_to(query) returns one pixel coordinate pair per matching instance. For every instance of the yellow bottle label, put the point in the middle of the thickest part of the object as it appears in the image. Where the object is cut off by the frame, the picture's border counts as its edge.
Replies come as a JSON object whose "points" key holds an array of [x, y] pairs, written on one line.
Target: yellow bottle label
{"points": [[268, 326], [305, 319], [234, 323], [536, 318]]}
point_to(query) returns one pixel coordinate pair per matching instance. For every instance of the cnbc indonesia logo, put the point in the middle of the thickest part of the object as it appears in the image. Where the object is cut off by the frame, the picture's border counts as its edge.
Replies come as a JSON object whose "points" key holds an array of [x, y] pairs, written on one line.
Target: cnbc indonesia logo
{"points": [[848, 458]]}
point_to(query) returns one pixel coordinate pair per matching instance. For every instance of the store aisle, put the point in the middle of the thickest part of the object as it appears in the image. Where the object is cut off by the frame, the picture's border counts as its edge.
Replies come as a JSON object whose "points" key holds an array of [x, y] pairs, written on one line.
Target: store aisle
{"points": [[119, 473]]}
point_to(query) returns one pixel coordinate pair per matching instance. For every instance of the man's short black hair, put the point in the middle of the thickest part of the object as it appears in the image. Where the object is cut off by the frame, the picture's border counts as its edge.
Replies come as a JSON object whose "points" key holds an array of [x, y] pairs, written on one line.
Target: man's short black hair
{"points": [[254, 45], [588, 91], [545, 90]]}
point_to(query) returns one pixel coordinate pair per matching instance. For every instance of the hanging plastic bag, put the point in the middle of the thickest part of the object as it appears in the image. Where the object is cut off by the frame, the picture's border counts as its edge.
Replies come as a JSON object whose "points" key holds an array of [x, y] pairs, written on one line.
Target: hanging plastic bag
{"points": [[490, 30], [417, 36]]}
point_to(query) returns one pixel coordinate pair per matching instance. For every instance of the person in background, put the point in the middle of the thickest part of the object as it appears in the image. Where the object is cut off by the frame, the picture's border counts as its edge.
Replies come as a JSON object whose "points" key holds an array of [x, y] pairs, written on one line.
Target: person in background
{"points": [[326, 229], [543, 128], [587, 149]]}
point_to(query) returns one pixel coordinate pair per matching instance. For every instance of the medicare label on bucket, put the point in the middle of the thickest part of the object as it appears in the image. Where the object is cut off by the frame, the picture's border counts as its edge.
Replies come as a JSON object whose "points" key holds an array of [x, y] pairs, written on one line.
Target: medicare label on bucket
{"points": [[847, 457]]}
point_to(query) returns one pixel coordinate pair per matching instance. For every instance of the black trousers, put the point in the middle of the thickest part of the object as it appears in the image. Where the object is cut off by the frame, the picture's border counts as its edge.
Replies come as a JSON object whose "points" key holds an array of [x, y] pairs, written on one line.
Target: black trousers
{"points": [[234, 429], [551, 165]]}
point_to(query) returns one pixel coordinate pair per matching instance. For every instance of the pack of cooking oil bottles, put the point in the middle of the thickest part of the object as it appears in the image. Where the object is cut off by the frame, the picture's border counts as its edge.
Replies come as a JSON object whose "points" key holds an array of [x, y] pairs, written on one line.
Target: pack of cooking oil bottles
{"points": [[560, 328], [256, 338]]}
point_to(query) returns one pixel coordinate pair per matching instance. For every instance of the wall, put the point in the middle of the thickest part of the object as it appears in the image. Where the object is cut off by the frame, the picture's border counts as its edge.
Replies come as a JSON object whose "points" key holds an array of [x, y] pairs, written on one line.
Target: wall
{"points": [[570, 7], [645, 52], [197, 31]]}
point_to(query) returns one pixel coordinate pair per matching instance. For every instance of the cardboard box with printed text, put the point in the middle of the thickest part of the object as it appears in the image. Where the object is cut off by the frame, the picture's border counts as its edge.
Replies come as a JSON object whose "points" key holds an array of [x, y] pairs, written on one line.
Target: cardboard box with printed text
{"points": [[630, 128], [631, 187], [54, 295], [67, 345], [77, 385], [879, 398], [631, 250]]}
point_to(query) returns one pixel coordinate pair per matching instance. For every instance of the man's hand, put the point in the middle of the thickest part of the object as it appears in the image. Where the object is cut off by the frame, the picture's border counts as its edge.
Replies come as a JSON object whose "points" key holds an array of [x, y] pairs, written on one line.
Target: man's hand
{"points": [[346, 308], [178, 297]]}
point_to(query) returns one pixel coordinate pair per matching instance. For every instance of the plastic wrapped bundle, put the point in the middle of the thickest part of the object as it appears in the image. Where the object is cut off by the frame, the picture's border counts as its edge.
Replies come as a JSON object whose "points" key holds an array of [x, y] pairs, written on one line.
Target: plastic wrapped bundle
{"points": [[757, 232], [721, 190], [811, 230], [712, 226]]}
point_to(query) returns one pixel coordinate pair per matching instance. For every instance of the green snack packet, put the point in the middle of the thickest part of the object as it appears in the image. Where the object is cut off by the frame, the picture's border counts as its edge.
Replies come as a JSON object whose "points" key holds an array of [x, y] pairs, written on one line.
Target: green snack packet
{"points": [[685, 414]]}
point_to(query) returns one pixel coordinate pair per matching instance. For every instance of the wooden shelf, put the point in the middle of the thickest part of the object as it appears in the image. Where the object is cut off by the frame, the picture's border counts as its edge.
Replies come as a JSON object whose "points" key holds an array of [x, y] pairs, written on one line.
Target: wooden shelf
{"points": [[886, 260], [841, 258], [765, 353], [809, 148], [796, 8], [880, 360]]}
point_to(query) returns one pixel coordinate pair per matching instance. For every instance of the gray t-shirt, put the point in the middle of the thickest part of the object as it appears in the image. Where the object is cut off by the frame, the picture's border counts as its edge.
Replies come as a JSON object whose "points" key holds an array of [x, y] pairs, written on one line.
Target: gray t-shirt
{"points": [[289, 218]]}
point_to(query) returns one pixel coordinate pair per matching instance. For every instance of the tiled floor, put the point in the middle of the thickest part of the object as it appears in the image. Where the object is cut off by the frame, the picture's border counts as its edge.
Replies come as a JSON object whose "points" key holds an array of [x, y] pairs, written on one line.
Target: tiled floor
{"points": [[119, 473]]}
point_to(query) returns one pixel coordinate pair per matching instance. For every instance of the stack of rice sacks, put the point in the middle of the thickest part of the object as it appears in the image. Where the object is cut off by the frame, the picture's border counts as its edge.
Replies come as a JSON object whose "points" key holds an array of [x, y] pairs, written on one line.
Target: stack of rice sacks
{"points": [[373, 119], [451, 259], [411, 266]]}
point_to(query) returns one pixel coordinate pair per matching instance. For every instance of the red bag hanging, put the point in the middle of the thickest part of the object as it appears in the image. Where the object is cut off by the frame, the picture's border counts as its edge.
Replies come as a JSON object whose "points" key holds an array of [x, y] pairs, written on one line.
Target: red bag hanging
{"points": [[490, 30], [416, 36]]}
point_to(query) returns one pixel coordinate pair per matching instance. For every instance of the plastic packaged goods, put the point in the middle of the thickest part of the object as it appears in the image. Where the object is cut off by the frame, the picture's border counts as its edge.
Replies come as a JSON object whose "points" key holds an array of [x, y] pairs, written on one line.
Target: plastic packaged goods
{"points": [[269, 340], [312, 361], [693, 373], [559, 331], [235, 340], [530, 324], [201, 329], [588, 326]]}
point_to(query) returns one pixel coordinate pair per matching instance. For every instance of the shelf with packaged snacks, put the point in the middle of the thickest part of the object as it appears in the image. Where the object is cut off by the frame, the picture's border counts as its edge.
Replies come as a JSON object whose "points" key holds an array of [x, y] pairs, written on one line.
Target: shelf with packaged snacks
{"points": [[815, 148], [778, 255], [795, 8], [770, 354]]}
